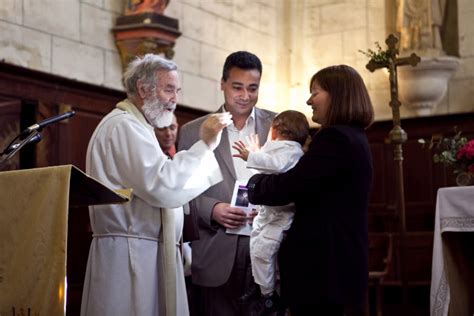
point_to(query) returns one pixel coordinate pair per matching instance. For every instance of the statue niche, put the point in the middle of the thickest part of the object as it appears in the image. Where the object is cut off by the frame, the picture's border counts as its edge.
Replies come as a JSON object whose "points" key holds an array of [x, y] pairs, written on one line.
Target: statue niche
{"points": [[419, 24]]}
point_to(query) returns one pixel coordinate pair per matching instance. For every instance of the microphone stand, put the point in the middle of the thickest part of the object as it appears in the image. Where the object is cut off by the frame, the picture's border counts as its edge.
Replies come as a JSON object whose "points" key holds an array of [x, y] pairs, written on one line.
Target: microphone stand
{"points": [[13, 147], [33, 133]]}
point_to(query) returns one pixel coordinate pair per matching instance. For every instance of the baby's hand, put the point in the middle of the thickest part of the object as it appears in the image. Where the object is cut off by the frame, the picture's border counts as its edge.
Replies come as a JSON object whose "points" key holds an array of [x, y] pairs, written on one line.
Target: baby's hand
{"points": [[243, 151], [253, 146], [253, 143]]}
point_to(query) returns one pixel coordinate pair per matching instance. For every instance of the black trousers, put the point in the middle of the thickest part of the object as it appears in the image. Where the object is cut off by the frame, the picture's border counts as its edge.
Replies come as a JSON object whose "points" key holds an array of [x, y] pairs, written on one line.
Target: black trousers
{"points": [[326, 310], [316, 310], [223, 300]]}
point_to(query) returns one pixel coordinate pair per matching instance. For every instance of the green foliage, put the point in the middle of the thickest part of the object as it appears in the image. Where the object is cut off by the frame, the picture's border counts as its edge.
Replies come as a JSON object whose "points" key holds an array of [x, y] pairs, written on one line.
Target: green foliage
{"points": [[380, 56]]}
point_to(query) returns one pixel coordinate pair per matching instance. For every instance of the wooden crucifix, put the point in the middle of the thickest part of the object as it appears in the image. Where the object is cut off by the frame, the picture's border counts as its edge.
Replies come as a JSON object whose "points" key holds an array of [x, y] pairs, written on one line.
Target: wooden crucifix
{"points": [[397, 137]]}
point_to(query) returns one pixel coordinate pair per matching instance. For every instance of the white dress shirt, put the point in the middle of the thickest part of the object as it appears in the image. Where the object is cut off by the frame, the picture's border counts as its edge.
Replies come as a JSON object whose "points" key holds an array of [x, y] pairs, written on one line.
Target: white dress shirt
{"points": [[240, 165]]}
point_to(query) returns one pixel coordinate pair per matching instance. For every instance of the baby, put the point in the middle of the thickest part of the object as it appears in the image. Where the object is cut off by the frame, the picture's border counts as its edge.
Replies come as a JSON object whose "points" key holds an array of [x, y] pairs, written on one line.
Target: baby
{"points": [[289, 133]]}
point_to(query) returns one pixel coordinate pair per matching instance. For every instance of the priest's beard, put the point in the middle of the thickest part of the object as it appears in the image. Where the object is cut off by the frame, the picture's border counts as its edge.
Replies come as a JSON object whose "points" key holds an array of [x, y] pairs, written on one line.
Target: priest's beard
{"points": [[159, 114]]}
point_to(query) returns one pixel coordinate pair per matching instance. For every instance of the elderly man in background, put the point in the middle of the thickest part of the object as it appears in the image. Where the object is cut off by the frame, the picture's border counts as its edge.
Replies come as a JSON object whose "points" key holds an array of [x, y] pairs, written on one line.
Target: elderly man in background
{"points": [[167, 137], [132, 267]]}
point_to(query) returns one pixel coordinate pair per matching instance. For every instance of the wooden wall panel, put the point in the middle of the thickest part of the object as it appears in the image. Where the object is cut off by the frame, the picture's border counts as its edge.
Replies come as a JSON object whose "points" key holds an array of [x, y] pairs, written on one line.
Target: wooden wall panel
{"points": [[10, 110], [422, 179], [80, 131]]}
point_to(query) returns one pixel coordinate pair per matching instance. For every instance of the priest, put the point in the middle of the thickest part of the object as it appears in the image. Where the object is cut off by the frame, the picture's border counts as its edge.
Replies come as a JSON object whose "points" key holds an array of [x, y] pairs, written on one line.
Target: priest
{"points": [[132, 266]]}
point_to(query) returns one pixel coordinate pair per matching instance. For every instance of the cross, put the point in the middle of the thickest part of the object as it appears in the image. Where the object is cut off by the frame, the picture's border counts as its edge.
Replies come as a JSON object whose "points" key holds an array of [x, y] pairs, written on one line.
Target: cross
{"points": [[392, 64], [397, 137]]}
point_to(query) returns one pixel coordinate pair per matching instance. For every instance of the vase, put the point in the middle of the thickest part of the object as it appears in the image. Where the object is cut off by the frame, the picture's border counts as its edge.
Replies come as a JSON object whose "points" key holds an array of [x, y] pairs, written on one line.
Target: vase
{"points": [[465, 178]]}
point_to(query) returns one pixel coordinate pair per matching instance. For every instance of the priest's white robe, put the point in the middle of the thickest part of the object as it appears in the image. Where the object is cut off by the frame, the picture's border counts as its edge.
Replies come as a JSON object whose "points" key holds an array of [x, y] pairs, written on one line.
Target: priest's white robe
{"points": [[125, 269]]}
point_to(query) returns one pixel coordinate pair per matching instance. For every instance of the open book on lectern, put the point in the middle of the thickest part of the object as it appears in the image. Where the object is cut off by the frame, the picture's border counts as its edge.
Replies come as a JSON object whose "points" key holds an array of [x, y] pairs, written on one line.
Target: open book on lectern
{"points": [[86, 190]]}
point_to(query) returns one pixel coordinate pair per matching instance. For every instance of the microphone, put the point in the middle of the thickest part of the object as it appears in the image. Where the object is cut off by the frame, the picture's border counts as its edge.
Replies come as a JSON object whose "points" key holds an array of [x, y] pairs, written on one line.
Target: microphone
{"points": [[12, 147], [39, 126]]}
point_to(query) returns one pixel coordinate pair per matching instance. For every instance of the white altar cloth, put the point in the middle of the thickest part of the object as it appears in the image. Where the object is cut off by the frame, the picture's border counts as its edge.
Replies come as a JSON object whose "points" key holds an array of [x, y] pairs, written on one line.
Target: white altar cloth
{"points": [[453, 253]]}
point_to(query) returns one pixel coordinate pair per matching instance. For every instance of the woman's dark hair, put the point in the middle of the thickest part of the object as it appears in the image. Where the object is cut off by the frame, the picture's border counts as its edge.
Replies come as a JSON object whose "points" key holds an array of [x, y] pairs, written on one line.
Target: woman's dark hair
{"points": [[350, 102], [243, 60], [291, 125]]}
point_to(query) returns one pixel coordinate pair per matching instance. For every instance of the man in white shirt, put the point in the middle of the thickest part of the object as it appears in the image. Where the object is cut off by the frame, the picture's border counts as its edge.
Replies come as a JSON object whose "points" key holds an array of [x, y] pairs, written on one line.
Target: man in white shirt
{"points": [[221, 260]]}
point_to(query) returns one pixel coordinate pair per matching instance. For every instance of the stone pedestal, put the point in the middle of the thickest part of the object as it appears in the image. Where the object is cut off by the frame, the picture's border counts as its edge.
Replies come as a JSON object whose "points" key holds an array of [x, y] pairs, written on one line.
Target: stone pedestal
{"points": [[424, 86], [146, 32]]}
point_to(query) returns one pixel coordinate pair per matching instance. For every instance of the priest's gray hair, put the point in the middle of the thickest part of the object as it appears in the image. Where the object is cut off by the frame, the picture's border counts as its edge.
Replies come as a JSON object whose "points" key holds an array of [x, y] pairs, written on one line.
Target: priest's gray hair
{"points": [[143, 69]]}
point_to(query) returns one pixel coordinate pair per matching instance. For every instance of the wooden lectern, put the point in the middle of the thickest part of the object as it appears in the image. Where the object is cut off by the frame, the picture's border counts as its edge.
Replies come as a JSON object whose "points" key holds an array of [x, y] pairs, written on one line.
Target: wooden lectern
{"points": [[34, 207]]}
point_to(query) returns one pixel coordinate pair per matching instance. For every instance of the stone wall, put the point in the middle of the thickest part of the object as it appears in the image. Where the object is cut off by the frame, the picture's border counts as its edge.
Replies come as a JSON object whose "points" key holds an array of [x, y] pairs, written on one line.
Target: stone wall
{"points": [[461, 87], [211, 30], [334, 31], [294, 38], [69, 38]]}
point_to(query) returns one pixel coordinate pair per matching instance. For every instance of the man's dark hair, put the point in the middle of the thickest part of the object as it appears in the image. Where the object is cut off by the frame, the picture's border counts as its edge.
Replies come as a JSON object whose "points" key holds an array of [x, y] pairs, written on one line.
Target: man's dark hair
{"points": [[242, 60]]}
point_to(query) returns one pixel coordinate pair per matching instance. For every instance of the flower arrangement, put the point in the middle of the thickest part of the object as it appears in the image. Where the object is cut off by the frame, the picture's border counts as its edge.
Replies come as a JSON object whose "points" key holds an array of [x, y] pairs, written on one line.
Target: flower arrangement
{"points": [[456, 152]]}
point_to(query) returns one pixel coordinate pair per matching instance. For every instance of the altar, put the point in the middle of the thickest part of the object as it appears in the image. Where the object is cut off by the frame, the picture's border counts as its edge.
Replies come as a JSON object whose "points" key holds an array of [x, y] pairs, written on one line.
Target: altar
{"points": [[452, 278]]}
